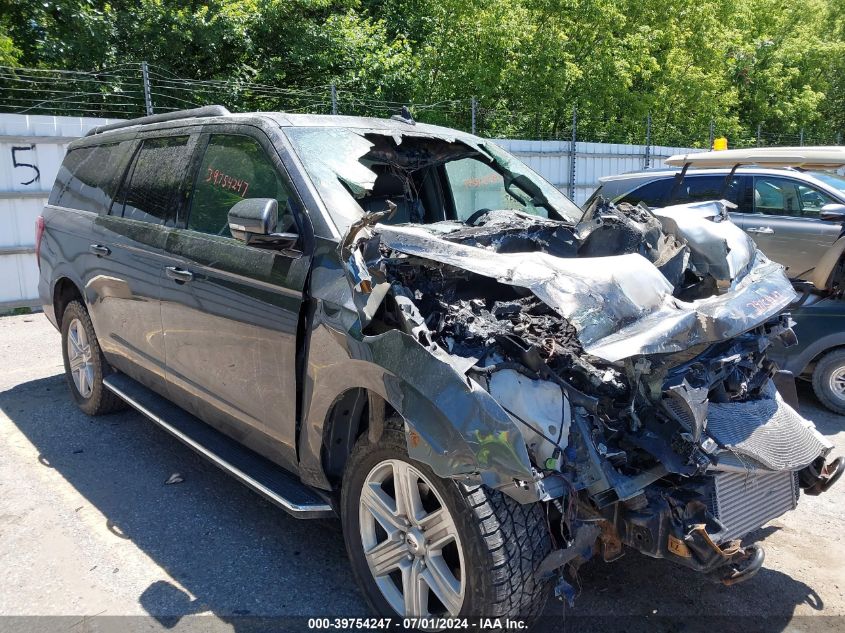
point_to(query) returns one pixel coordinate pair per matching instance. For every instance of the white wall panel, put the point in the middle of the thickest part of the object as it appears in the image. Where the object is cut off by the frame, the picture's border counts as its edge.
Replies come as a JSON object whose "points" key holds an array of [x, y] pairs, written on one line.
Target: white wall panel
{"points": [[592, 161], [31, 151]]}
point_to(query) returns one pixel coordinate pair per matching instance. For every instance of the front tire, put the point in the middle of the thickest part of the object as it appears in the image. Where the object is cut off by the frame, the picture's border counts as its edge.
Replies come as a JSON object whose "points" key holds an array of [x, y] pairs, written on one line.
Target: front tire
{"points": [[829, 380], [423, 546], [85, 365]]}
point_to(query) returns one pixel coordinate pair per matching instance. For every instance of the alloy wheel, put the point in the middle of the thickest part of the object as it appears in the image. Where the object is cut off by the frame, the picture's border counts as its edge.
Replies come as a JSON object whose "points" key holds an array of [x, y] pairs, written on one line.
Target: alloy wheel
{"points": [[79, 358], [410, 541], [837, 382]]}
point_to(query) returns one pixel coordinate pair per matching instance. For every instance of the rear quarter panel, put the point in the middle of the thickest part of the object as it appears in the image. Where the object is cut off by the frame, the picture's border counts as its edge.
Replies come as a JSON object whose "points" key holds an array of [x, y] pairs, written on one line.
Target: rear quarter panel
{"points": [[64, 253]]}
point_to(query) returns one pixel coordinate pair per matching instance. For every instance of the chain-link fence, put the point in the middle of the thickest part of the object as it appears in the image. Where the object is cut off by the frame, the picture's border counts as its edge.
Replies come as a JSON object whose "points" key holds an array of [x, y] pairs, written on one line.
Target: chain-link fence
{"points": [[134, 89]]}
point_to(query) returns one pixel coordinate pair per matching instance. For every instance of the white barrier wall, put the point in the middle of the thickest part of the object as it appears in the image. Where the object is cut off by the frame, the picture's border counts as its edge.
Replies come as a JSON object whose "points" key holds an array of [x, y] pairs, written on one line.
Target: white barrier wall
{"points": [[552, 159], [32, 148], [31, 151]]}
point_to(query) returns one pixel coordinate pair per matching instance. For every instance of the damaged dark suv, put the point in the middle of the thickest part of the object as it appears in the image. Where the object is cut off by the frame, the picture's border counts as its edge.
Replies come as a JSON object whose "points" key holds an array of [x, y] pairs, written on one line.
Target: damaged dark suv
{"points": [[405, 326]]}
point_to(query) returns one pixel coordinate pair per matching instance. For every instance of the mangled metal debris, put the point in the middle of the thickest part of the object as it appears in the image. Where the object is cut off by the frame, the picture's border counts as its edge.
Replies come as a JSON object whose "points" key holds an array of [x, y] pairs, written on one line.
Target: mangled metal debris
{"points": [[621, 305], [612, 366]]}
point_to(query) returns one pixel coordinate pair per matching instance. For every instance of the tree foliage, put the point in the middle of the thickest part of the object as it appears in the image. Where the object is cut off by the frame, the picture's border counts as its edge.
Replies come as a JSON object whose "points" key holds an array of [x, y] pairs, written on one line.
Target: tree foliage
{"points": [[776, 64]]}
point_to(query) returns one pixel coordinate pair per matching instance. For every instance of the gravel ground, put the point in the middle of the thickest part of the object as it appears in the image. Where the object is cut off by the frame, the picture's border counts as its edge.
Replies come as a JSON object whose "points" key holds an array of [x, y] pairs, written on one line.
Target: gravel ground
{"points": [[88, 527]]}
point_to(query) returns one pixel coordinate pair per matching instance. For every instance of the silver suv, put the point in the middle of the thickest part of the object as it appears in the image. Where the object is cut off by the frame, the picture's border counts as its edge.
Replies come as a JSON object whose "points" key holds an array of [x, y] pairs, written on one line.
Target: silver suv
{"points": [[793, 216]]}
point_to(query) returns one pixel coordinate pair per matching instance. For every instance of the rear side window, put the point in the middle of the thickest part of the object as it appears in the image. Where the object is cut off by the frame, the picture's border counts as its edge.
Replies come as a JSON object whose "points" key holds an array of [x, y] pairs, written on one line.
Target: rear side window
{"points": [[85, 179], [652, 194], [235, 168], [703, 188], [150, 190]]}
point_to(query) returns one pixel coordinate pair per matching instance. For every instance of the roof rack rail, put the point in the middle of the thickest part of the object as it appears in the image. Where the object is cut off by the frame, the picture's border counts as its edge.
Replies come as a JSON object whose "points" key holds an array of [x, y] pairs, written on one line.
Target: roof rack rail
{"points": [[806, 157], [205, 111]]}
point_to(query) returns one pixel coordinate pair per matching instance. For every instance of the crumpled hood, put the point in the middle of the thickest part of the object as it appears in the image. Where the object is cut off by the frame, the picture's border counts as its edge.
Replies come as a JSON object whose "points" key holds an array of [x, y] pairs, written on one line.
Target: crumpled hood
{"points": [[622, 305]]}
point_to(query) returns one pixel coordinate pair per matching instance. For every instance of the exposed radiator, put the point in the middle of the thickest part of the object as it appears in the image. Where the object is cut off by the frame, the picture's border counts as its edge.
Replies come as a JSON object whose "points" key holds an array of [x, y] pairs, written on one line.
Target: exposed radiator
{"points": [[768, 430], [745, 501]]}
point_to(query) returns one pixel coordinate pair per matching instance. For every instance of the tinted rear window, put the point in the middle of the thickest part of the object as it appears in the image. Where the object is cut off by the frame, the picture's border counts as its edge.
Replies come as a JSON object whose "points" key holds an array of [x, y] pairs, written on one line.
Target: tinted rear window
{"points": [[86, 178], [151, 187], [693, 188], [702, 188], [652, 194]]}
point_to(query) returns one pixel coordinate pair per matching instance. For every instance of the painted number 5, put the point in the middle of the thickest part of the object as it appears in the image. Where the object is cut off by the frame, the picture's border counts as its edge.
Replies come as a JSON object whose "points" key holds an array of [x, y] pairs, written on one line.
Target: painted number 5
{"points": [[16, 163]]}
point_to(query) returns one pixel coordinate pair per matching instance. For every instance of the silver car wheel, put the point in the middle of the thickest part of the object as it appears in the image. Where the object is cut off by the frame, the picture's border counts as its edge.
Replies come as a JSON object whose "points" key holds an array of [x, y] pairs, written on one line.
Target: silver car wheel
{"points": [[837, 383], [411, 542], [79, 358]]}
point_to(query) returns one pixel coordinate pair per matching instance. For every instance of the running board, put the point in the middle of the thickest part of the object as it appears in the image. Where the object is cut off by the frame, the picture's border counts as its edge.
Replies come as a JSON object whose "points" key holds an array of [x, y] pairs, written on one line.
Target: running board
{"points": [[250, 468]]}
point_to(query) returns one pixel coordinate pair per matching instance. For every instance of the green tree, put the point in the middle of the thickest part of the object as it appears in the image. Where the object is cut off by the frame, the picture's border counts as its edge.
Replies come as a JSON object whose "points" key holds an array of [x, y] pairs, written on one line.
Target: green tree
{"points": [[779, 64]]}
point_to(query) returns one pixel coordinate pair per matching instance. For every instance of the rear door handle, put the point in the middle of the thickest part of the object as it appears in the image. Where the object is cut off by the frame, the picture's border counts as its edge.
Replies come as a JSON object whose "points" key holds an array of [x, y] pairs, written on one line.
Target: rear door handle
{"points": [[179, 275], [765, 230], [99, 250]]}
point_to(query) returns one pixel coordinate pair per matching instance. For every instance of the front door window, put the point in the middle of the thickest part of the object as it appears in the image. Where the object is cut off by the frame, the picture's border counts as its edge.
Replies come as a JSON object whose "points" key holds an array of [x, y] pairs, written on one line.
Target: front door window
{"points": [[784, 196], [234, 168]]}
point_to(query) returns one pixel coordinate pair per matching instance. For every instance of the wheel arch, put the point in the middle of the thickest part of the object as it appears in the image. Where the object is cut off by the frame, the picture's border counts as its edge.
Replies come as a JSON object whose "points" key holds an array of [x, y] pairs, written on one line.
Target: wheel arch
{"points": [[451, 424], [827, 351], [356, 411], [803, 363], [345, 399], [823, 385], [65, 290]]}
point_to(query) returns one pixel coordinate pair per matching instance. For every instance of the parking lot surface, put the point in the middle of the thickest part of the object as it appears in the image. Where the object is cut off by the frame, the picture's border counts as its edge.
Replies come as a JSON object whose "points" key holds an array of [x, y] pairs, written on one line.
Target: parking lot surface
{"points": [[89, 527]]}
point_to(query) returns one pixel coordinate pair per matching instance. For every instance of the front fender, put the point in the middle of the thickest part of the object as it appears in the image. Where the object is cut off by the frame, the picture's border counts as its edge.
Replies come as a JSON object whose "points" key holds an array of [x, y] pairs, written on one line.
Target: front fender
{"points": [[818, 326], [797, 361], [452, 424]]}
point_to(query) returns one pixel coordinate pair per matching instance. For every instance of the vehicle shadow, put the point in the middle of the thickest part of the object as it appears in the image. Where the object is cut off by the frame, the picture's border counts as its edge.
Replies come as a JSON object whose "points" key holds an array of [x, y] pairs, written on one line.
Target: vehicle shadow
{"points": [[229, 551], [234, 555], [827, 422], [637, 593]]}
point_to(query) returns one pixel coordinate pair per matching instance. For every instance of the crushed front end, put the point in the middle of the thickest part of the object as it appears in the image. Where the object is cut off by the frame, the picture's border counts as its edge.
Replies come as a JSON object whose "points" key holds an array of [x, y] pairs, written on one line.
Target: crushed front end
{"points": [[613, 369], [656, 427]]}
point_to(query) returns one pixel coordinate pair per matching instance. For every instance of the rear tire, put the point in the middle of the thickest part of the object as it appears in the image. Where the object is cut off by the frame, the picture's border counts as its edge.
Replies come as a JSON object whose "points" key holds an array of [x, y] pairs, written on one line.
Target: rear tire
{"points": [[829, 380], [85, 365], [491, 555]]}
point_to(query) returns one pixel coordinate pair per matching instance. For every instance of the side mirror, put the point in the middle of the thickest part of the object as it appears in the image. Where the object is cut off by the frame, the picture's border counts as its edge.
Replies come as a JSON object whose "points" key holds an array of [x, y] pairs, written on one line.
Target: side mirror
{"points": [[254, 216], [833, 212], [253, 221]]}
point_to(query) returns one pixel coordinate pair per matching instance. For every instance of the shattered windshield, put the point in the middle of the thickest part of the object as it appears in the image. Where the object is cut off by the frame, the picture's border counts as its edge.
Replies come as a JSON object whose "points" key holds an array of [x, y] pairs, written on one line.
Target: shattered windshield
{"points": [[421, 179]]}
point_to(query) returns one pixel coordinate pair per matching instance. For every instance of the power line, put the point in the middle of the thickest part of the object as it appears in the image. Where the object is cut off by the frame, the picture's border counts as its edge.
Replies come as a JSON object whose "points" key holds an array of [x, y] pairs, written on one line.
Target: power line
{"points": [[119, 90]]}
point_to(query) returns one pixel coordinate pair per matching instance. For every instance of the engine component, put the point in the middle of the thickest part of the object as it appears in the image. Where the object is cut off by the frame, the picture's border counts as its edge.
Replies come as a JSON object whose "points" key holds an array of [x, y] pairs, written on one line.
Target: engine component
{"points": [[743, 502], [768, 430]]}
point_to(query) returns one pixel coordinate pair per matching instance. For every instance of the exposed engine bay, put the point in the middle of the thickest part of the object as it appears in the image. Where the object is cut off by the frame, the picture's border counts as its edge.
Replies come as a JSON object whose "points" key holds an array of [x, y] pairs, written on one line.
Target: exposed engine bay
{"points": [[627, 347]]}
